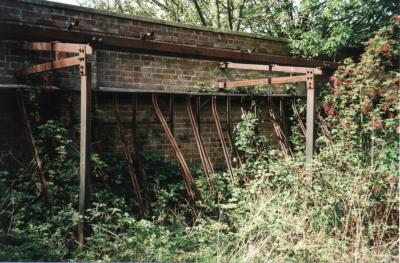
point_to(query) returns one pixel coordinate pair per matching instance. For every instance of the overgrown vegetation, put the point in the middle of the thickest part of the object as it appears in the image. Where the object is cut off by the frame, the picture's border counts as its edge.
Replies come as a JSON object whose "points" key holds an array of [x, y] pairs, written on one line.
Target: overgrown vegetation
{"points": [[342, 208]]}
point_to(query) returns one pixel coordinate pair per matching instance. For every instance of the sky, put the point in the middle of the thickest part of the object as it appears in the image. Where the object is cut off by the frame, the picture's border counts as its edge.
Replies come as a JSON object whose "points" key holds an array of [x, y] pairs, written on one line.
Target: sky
{"points": [[71, 2]]}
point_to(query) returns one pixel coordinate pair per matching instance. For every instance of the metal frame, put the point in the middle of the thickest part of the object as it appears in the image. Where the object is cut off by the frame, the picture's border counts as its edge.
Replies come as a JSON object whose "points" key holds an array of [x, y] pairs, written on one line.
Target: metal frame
{"points": [[191, 188], [123, 43], [283, 142], [205, 160], [221, 136], [37, 161], [308, 78], [85, 73], [137, 150], [274, 68], [148, 46], [234, 150], [128, 157]]}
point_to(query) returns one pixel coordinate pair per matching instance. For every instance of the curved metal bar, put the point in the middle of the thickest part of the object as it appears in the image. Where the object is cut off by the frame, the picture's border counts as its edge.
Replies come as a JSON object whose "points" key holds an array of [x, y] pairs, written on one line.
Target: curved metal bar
{"points": [[138, 157], [229, 130], [298, 117], [35, 155], [278, 130], [128, 157], [205, 160], [190, 184], [221, 136]]}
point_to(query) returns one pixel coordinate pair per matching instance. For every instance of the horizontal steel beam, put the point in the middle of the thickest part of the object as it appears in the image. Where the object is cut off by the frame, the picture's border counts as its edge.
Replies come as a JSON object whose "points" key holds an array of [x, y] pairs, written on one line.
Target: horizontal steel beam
{"points": [[57, 64], [137, 91], [261, 82], [274, 68], [29, 32], [57, 47]]}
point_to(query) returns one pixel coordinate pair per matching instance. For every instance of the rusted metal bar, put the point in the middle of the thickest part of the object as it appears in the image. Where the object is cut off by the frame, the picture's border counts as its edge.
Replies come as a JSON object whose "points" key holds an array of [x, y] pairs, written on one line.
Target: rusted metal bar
{"points": [[242, 111], [147, 35], [282, 116], [205, 160], [229, 130], [198, 108], [273, 68], [281, 109], [35, 155], [190, 184], [57, 64], [128, 157], [85, 141], [60, 55], [56, 47], [28, 31], [204, 95], [310, 116], [171, 113], [298, 117], [259, 82], [284, 144], [137, 150], [221, 136], [324, 127]]}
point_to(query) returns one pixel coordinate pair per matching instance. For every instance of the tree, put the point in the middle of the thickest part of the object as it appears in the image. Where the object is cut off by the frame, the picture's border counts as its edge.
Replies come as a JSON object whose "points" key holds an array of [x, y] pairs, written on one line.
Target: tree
{"points": [[324, 28], [315, 27]]}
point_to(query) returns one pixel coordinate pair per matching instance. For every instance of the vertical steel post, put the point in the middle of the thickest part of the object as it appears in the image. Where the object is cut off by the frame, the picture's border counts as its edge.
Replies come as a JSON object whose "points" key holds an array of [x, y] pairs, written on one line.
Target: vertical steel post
{"points": [[310, 116], [84, 172]]}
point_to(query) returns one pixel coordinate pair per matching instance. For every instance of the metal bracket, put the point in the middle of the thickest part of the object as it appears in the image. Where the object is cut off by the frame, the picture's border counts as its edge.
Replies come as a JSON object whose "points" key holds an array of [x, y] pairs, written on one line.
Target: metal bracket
{"points": [[79, 60], [82, 61], [310, 79]]}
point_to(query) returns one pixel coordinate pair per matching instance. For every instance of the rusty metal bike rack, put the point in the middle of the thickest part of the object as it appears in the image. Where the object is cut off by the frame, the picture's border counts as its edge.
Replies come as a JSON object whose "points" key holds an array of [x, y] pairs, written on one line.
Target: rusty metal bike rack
{"points": [[205, 160], [128, 157], [221, 136], [190, 184]]}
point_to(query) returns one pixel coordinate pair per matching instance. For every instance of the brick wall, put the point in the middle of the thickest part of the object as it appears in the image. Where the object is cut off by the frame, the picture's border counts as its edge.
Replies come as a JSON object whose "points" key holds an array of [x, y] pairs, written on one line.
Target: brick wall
{"points": [[130, 70], [149, 127], [58, 15], [12, 136]]}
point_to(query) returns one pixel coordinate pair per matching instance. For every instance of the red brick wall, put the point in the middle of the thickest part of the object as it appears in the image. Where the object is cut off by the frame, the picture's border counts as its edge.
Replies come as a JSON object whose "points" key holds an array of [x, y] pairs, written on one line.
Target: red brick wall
{"points": [[149, 125], [146, 72], [57, 15], [130, 70]]}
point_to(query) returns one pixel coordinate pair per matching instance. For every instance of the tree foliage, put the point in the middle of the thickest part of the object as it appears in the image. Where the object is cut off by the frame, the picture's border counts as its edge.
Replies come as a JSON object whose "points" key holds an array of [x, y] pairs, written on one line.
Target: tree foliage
{"points": [[315, 27]]}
